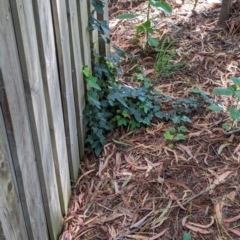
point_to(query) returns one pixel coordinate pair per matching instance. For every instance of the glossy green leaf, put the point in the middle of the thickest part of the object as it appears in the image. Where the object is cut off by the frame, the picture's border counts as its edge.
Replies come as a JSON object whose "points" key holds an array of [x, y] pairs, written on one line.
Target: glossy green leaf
{"points": [[237, 94], [216, 108], [126, 16], [236, 80], [165, 7], [179, 137], [226, 126], [182, 129], [186, 236], [168, 136], [234, 113], [153, 41], [223, 91]]}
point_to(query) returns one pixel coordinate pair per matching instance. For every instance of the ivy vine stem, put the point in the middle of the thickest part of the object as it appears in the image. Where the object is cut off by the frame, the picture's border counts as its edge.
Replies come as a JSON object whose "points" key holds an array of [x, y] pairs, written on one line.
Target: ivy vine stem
{"points": [[148, 17]]}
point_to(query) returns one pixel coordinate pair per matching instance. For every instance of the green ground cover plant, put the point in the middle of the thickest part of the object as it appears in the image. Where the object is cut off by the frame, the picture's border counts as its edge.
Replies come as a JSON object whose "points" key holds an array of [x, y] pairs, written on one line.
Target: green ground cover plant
{"points": [[111, 104]]}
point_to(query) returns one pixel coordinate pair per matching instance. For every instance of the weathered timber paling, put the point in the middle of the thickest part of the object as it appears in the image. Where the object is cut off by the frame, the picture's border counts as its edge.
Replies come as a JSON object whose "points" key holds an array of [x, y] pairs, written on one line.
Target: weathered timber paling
{"points": [[43, 47]]}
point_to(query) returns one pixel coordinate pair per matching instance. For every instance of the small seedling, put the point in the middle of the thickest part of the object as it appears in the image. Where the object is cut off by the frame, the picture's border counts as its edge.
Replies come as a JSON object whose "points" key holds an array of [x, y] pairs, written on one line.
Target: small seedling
{"points": [[164, 57], [231, 91], [146, 26]]}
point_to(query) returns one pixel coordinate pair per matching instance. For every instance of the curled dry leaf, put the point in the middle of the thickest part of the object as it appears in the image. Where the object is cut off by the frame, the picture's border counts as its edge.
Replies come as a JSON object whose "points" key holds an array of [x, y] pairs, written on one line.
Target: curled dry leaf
{"points": [[220, 179], [177, 182], [235, 231], [158, 235], [184, 220], [233, 219], [80, 198], [198, 229], [79, 219], [201, 225], [186, 149], [218, 210]]}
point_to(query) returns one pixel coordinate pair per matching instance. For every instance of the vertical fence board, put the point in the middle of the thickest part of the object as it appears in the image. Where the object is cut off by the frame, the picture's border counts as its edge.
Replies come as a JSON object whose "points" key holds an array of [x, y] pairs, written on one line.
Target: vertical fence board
{"points": [[77, 64], [46, 43], [13, 102], [64, 61], [29, 58], [11, 216], [82, 7]]}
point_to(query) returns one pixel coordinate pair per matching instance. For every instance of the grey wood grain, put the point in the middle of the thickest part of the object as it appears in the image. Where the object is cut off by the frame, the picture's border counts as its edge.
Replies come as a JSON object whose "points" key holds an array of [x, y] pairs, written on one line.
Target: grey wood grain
{"points": [[49, 69], [13, 102], [83, 14], [12, 225], [77, 64], [24, 25], [64, 66]]}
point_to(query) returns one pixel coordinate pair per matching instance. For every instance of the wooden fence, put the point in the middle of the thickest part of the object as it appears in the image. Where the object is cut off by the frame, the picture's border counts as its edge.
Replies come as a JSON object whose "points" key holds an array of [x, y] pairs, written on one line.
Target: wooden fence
{"points": [[43, 46]]}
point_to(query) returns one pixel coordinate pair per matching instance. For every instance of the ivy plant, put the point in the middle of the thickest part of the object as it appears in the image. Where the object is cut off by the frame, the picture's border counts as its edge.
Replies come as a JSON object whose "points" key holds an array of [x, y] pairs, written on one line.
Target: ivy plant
{"points": [[111, 104]]}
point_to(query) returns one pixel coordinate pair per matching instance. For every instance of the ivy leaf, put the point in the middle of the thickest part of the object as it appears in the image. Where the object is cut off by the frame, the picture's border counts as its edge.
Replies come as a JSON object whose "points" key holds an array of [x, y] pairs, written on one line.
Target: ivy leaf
{"points": [[180, 136], [98, 6], [234, 113], [168, 136], [237, 94], [223, 91], [186, 236], [118, 97], [119, 51], [186, 119], [86, 71], [92, 82], [182, 129], [153, 41], [93, 99], [215, 108], [176, 119], [104, 26], [236, 80], [105, 38], [126, 16], [172, 129], [162, 5]]}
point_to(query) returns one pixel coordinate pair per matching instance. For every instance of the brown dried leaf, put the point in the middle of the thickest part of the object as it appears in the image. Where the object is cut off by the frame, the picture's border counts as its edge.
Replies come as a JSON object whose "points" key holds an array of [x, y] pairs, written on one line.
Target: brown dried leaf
{"points": [[220, 179], [198, 229], [235, 231], [170, 180], [158, 235], [233, 219], [186, 149], [201, 225]]}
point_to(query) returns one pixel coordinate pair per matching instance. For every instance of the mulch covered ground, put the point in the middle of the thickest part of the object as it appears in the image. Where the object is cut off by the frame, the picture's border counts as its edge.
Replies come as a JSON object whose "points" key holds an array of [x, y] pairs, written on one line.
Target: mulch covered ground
{"points": [[141, 187]]}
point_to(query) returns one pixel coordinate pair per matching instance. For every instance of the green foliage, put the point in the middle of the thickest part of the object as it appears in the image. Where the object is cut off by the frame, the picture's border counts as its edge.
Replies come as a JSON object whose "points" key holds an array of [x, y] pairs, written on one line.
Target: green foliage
{"points": [[146, 26], [176, 134], [111, 104], [165, 54], [231, 91], [186, 236]]}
